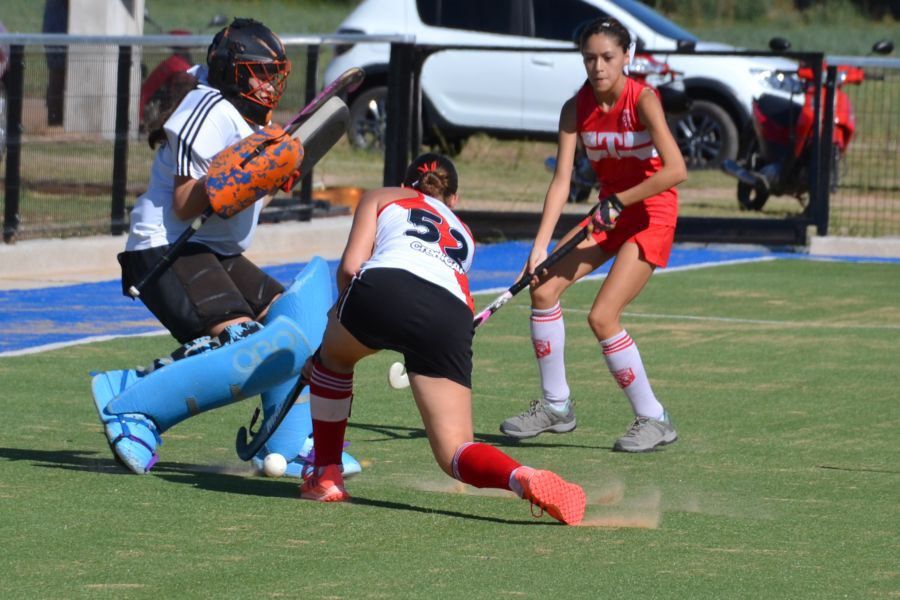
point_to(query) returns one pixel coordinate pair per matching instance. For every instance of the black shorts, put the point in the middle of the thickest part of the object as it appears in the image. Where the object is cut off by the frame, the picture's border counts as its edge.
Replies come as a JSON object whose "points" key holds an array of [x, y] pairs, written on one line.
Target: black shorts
{"points": [[200, 289], [392, 309]]}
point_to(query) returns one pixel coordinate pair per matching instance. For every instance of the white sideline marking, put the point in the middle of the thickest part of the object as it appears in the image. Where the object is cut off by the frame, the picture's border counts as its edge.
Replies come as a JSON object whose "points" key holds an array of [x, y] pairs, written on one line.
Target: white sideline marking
{"points": [[79, 342], [738, 321], [704, 265]]}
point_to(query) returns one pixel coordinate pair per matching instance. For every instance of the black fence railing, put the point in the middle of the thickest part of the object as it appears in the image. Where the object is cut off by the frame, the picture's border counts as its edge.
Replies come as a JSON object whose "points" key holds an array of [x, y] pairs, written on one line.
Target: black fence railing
{"points": [[77, 179]]}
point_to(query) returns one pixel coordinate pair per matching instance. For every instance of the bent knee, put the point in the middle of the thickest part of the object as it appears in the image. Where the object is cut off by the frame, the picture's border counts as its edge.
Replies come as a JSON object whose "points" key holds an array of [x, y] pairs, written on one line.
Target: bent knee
{"points": [[604, 323]]}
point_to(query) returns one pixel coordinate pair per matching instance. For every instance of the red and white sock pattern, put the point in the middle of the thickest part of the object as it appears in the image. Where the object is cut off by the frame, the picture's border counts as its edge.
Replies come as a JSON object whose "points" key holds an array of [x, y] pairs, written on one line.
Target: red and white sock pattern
{"points": [[625, 364], [548, 335], [483, 466], [330, 395]]}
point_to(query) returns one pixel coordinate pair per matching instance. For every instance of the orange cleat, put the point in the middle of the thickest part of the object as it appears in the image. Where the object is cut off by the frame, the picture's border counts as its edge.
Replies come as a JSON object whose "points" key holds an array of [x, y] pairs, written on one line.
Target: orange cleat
{"points": [[327, 486], [548, 491]]}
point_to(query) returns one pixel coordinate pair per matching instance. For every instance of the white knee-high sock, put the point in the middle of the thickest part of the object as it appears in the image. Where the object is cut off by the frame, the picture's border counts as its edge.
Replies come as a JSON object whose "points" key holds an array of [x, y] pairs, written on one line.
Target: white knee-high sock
{"points": [[548, 335], [625, 364]]}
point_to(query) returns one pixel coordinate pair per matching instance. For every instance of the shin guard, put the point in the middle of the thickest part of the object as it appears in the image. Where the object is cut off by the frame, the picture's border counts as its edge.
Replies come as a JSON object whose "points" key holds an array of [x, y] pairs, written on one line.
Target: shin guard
{"points": [[306, 302]]}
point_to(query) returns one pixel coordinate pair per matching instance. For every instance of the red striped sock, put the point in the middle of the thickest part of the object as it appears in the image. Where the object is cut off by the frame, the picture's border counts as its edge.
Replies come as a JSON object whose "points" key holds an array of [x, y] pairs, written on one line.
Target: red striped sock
{"points": [[483, 466], [330, 395]]}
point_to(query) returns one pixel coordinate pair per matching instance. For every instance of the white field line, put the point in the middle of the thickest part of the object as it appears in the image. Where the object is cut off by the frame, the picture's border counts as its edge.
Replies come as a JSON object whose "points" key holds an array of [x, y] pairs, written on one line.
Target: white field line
{"points": [[704, 265], [733, 320], [78, 342]]}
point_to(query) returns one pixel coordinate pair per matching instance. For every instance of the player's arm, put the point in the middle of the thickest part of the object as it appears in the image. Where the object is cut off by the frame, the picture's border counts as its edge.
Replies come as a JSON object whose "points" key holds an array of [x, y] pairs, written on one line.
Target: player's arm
{"points": [[673, 172], [361, 241], [189, 197], [558, 191]]}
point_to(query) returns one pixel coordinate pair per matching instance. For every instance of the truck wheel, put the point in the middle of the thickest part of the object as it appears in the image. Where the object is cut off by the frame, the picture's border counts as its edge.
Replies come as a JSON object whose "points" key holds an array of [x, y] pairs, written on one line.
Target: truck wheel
{"points": [[706, 135], [368, 119]]}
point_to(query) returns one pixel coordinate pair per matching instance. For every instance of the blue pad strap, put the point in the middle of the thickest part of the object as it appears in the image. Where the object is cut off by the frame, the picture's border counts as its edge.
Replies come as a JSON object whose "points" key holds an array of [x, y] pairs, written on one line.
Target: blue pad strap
{"points": [[306, 302], [212, 379]]}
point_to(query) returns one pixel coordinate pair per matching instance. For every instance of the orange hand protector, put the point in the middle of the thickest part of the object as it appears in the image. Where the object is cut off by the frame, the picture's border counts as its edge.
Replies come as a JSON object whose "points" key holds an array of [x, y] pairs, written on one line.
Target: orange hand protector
{"points": [[254, 167]]}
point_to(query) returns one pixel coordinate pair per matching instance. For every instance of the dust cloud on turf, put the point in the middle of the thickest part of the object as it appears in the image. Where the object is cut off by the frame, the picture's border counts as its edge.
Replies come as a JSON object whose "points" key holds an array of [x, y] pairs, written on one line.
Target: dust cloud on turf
{"points": [[609, 503]]}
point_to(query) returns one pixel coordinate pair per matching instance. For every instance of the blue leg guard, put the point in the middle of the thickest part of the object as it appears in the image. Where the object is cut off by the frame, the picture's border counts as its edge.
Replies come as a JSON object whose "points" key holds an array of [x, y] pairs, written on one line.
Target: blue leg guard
{"points": [[132, 438], [135, 410], [306, 302]]}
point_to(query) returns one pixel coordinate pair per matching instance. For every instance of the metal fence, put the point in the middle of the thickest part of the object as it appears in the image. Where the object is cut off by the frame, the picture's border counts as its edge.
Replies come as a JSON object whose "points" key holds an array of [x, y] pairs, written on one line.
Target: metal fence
{"points": [[80, 176], [867, 200]]}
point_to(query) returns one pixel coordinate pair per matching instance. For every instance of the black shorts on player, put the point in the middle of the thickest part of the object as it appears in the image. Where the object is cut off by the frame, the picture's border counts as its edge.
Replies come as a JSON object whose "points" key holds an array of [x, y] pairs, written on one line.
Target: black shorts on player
{"points": [[200, 289], [406, 322]]}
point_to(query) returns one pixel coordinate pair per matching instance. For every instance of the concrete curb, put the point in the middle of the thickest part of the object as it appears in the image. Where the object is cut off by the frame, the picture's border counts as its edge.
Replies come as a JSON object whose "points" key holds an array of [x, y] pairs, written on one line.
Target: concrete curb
{"points": [[43, 263], [850, 246]]}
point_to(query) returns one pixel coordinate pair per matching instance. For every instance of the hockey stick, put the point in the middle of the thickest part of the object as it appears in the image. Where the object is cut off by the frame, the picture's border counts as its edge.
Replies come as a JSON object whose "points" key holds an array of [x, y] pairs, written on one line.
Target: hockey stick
{"points": [[397, 377], [348, 81], [248, 442], [557, 254]]}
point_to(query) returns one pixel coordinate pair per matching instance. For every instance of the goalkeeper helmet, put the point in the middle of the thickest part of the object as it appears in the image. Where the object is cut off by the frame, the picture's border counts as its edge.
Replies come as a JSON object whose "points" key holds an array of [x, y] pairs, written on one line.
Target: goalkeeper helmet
{"points": [[247, 63]]}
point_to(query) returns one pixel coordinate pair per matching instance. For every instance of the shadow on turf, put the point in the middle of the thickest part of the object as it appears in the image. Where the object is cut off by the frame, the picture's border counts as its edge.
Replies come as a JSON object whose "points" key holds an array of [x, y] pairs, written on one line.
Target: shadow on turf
{"points": [[400, 432], [73, 460], [200, 476]]}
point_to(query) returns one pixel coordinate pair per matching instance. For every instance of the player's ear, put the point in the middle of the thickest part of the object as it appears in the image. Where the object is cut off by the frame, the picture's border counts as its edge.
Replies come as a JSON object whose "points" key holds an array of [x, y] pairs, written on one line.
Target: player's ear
{"points": [[452, 201]]}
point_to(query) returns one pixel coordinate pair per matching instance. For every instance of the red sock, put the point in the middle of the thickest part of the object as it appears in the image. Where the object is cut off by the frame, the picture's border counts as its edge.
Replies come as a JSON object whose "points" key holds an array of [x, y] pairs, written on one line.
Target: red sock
{"points": [[330, 395], [483, 466]]}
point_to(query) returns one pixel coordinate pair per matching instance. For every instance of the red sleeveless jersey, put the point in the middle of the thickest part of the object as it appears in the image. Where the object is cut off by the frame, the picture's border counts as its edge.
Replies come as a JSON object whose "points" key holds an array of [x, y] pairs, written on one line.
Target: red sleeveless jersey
{"points": [[620, 148]]}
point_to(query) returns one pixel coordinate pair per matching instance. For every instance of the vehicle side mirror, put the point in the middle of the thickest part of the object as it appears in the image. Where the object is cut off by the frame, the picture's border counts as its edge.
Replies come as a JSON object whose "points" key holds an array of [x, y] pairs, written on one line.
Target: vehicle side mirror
{"points": [[686, 45], [883, 47], [779, 44]]}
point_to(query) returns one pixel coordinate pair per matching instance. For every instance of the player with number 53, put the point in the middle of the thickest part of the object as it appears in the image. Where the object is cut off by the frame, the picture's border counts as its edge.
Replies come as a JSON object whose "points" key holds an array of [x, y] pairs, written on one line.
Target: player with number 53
{"points": [[404, 287]]}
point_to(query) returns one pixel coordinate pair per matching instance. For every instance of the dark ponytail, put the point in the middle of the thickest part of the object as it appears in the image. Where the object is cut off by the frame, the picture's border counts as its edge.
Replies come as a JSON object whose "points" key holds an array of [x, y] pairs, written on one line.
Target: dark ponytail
{"points": [[434, 175], [605, 26]]}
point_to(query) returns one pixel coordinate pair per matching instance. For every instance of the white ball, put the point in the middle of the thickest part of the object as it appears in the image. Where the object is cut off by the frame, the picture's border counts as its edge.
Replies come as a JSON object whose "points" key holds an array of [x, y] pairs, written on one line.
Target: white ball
{"points": [[274, 465], [397, 377]]}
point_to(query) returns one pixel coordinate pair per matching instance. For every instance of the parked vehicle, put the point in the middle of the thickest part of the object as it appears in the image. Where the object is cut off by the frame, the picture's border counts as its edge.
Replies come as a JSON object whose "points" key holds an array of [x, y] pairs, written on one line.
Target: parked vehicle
{"points": [[776, 156], [668, 84], [519, 94]]}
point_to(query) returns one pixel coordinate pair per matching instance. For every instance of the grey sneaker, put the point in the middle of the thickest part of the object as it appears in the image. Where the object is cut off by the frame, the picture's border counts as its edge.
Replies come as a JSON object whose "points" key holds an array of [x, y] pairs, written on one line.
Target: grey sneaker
{"points": [[538, 419], [645, 434]]}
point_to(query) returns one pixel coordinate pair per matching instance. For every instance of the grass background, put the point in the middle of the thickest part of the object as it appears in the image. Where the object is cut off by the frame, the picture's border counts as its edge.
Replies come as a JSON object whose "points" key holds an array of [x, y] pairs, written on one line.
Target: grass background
{"points": [[781, 377]]}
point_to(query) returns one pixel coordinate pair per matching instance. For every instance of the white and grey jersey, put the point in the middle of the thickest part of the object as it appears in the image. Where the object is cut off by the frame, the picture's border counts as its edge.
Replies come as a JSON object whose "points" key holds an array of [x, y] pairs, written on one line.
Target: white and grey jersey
{"points": [[423, 236], [203, 124]]}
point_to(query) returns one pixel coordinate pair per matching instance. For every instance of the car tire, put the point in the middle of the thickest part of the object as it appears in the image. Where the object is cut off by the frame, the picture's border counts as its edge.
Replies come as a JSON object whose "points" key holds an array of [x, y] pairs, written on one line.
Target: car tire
{"points": [[368, 119], [706, 135]]}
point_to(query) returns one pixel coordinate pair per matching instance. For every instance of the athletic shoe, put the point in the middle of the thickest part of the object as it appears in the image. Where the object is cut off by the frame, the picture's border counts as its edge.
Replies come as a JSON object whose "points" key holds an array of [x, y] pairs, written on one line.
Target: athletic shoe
{"points": [[645, 434], [548, 491], [325, 487], [539, 418]]}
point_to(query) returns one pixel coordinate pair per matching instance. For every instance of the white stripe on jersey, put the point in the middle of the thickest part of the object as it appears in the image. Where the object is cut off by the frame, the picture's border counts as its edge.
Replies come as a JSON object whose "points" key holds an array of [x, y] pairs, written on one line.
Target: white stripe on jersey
{"points": [[617, 144], [191, 128]]}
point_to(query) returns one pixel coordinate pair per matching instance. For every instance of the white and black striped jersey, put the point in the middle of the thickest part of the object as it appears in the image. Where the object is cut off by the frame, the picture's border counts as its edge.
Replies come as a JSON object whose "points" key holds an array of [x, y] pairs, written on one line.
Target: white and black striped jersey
{"points": [[203, 124], [423, 236]]}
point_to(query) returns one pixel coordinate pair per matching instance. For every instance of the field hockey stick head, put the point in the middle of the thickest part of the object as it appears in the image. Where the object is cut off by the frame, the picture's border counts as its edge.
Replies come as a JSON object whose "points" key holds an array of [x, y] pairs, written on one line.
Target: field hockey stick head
{"points": [[248, 444]]}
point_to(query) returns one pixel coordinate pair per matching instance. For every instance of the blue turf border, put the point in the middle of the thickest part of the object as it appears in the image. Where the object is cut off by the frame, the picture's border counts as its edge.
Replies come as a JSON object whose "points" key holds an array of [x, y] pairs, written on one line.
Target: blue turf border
{"points": [[35, 318]]}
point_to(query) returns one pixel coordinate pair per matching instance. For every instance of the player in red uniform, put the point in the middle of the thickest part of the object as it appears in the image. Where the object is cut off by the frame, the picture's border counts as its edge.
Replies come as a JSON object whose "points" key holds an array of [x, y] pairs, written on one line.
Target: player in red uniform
{"points": [[622, 126], [404, 287]]}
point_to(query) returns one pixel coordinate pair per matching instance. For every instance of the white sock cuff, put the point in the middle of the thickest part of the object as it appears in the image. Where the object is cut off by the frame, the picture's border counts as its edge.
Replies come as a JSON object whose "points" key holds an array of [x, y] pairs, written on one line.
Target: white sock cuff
{"points": [[616, 343], [546, 314]]}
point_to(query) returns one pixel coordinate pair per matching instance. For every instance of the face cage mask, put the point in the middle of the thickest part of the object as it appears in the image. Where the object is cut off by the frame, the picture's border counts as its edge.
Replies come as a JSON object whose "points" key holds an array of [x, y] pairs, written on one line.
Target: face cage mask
{"points": [[271, 78]]}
